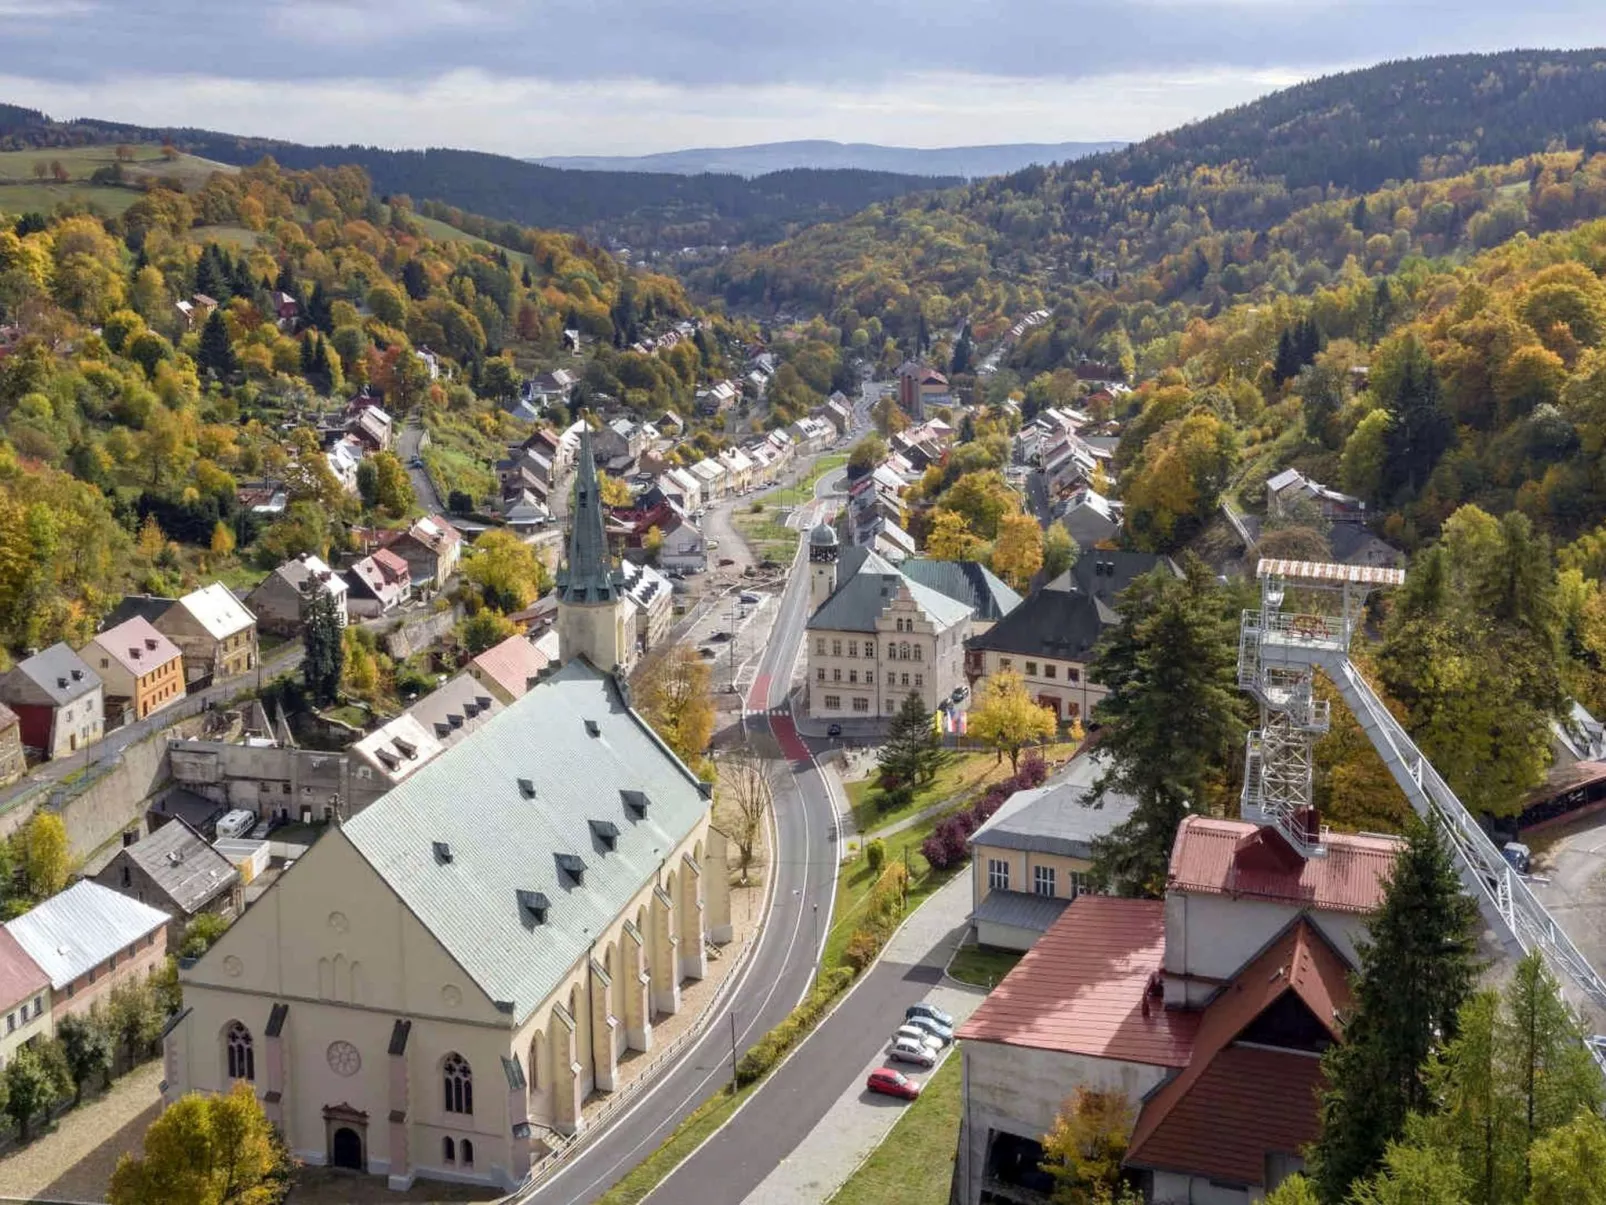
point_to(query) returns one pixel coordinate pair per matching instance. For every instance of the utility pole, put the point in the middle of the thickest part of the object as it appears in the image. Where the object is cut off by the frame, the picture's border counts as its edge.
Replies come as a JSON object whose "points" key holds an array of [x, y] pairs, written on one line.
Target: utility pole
{"points": [[818, 953], [733, 1049]]}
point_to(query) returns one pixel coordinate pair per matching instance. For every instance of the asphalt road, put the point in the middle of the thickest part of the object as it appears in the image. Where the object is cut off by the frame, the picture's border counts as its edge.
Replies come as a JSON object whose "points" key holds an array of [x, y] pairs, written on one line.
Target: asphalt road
{"points": [[781, 967], [423, 488]]}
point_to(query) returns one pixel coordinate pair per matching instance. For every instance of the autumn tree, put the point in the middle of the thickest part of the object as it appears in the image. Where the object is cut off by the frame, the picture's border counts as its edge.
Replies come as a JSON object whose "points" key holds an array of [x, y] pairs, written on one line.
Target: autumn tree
{"points": [[950, 538], [1005, 718], [613, 491], [674, 694], [222, 543], [206, 1150], [42, 855], [484, 630], [1565, 1165], [133, 1018], [393, 489], [866, 454], [1084, 1151], [1173, 716], [508, 572], [1059, 550], [1018, 550]]}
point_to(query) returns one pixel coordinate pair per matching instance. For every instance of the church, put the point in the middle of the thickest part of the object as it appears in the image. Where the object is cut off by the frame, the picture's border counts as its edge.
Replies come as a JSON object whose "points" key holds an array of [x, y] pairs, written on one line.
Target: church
{"points": [[438, 985]]}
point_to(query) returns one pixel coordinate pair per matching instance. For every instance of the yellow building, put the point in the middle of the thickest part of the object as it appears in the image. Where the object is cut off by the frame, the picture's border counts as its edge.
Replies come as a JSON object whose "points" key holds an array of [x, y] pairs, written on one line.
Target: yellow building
{"points": [[440, 982], [1033, 856]]}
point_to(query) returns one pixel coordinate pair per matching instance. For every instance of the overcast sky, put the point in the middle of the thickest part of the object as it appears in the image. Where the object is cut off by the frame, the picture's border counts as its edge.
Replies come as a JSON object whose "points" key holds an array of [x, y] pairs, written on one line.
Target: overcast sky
{"points": [[540, 77]]}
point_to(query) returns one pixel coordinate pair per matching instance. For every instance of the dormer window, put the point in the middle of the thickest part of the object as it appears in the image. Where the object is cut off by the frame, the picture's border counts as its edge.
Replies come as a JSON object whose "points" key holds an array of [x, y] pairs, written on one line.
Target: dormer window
{"points": [[593, 728], [527, 788], [573, 866], [533, 907], [443, 852], [606, 832], [406, 748], [635, 803]]}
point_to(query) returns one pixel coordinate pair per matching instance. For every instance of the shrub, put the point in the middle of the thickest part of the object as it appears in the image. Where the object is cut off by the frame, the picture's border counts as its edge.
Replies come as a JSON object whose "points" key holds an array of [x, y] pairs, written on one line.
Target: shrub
{"points": [[1032, 773], [862, 948], [772, 1047], [875, 855], [946, 846]]}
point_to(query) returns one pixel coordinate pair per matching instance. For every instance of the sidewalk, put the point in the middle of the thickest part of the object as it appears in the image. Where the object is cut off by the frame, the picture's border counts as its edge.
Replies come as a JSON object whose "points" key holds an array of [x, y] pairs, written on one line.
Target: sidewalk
{"points": [[859, 1121]]}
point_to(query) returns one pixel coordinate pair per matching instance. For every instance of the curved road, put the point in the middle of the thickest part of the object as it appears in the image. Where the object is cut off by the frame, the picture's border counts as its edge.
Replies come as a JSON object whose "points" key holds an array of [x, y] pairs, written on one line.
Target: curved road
{"points": [[780, 969]]}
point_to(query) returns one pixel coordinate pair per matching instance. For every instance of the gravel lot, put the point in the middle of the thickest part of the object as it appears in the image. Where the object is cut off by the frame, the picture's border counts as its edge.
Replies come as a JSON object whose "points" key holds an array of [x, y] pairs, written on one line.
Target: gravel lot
{"points": [[75, 1160]]}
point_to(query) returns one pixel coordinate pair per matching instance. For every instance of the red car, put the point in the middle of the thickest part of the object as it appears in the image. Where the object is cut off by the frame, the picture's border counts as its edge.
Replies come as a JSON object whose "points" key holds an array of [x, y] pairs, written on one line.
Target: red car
{"points": [[893, 1083]]}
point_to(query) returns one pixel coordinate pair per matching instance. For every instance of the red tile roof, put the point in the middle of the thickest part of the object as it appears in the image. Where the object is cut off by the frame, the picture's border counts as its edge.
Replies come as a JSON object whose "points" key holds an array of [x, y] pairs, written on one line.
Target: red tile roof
{"points": [[20, 976], [1082, 989], [393, 565], [512, 664], [1233, 1104], [1243, 860]]}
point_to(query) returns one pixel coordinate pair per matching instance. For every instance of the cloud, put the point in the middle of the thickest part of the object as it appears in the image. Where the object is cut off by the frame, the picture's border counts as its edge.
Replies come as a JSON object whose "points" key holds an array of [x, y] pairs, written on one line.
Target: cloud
{"points": [[544, 76], [630, 116]]}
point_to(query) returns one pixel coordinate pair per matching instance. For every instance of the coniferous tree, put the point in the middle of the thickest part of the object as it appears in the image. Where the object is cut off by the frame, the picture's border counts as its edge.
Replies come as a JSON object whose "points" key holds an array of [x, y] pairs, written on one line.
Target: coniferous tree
{"points": [[325, 658], [1419, 430], [910, 752], [1173, 716], [286, 281], [309, 353], [216, 353], [1286, 365], [318, 313], [962, 352], [922, 336], [1417, 969], [414, 280]]}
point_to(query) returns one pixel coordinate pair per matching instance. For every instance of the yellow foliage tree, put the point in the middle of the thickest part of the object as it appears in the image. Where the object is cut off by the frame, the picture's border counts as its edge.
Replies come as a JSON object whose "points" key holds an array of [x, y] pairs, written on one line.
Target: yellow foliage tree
{"points": [[206, 1150], [950, 538], [1005, 718], [43, 855], [152, 540], [222, 539], [1084, 1150], [675, 695], [1018, 550]]}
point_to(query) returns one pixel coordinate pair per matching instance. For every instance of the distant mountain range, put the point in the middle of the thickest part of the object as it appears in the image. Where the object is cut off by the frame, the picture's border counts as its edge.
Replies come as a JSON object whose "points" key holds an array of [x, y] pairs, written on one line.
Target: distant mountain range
{"points": [[764, 157]]}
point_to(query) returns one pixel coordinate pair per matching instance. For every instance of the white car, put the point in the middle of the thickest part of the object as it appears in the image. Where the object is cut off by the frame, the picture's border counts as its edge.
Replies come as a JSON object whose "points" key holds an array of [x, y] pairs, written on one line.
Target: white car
{"points": [[907, 1050], [914, 1033]]}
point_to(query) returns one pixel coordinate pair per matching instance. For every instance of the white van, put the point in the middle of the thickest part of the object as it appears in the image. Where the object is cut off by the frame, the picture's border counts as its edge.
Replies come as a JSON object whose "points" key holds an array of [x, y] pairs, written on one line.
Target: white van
{"points": [[236, 823]]}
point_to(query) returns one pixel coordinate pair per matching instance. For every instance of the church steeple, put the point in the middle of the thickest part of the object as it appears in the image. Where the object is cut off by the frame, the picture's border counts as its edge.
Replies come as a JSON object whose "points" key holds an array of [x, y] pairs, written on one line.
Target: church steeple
{"points": [[589, 576]]}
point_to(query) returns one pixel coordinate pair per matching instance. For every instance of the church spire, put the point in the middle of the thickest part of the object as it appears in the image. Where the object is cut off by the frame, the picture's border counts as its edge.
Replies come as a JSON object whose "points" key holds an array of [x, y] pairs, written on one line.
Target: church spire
{"points": [[589, 575]]}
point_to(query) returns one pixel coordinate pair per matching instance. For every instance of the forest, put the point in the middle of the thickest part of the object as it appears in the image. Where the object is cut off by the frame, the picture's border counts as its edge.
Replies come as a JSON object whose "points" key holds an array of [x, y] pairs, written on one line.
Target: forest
{"points": [[647, 212]]}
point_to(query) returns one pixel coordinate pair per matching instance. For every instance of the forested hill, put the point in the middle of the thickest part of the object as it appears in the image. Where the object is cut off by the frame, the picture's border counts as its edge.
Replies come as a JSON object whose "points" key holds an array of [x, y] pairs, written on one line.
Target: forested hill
{"points": [[1395, 121], [1192, 206], [646, 211]]}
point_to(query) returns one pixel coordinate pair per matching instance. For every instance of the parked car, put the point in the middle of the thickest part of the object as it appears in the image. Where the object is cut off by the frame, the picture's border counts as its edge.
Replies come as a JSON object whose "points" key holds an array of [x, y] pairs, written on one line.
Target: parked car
{"points": [[959, 693], [834, 730], [923, 1009], [725, 562], [718, 637], [929, 1025], [914, 1033], [907, 1050], [891, 1082], [748, 598]]}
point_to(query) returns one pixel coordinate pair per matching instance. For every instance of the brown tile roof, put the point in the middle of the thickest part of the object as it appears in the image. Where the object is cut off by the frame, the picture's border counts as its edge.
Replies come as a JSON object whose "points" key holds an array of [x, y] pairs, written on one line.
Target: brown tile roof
{"points": [[512, 664], [20, 976], [1245, 861], [137, 646], [1234, 1104], [1083, 989], [393, 565]]}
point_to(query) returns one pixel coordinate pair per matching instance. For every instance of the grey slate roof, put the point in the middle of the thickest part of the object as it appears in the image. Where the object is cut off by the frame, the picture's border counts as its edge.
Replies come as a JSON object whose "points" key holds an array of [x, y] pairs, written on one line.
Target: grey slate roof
{"points": [[81, 928], [149, 607], [969, 582], [502, 843], [459, 708], [1054, 820], [1107, 573], [54, 677], [188, 870], [859, 599], [1057, 622], [589, 575], [1017, 910]]}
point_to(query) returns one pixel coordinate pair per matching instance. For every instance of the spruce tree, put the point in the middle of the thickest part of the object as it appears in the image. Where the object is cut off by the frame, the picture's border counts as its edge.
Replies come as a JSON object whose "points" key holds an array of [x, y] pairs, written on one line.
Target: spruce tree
{"points": [[325, 657], [1417, 969], [1419, 430], [308, 353], [414, 280], [216, 353], [910, 752], [1173, 716], [318, 313], [286, 281], [1286, 365]]}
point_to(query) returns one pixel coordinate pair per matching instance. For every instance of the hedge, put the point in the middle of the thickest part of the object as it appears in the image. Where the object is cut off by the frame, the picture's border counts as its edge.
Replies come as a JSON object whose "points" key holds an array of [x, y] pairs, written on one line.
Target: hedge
{"points": [[772, 1047]]}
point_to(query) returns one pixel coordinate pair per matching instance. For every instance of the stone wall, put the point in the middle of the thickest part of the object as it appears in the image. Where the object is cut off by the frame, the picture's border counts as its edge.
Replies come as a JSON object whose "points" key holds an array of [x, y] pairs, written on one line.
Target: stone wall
{"points": [[416, 635]]}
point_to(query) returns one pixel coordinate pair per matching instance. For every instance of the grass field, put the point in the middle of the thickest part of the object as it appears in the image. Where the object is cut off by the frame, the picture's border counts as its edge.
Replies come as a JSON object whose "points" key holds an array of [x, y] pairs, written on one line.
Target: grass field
{"points": [[855, 880], [914, 1165], [229, 236], [439, 230], [43, 198], [21, 191], [983, 966]]}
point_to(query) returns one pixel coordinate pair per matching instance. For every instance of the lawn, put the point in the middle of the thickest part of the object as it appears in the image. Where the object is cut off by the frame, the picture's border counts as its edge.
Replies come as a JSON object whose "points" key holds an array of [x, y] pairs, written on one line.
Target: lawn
{"points": [[855, 880], [442, 232], [804, 489], [961, 773], [43, 198], [766, 535], [229, 236], [460, 456], [914, 1165], [983, 966]]}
